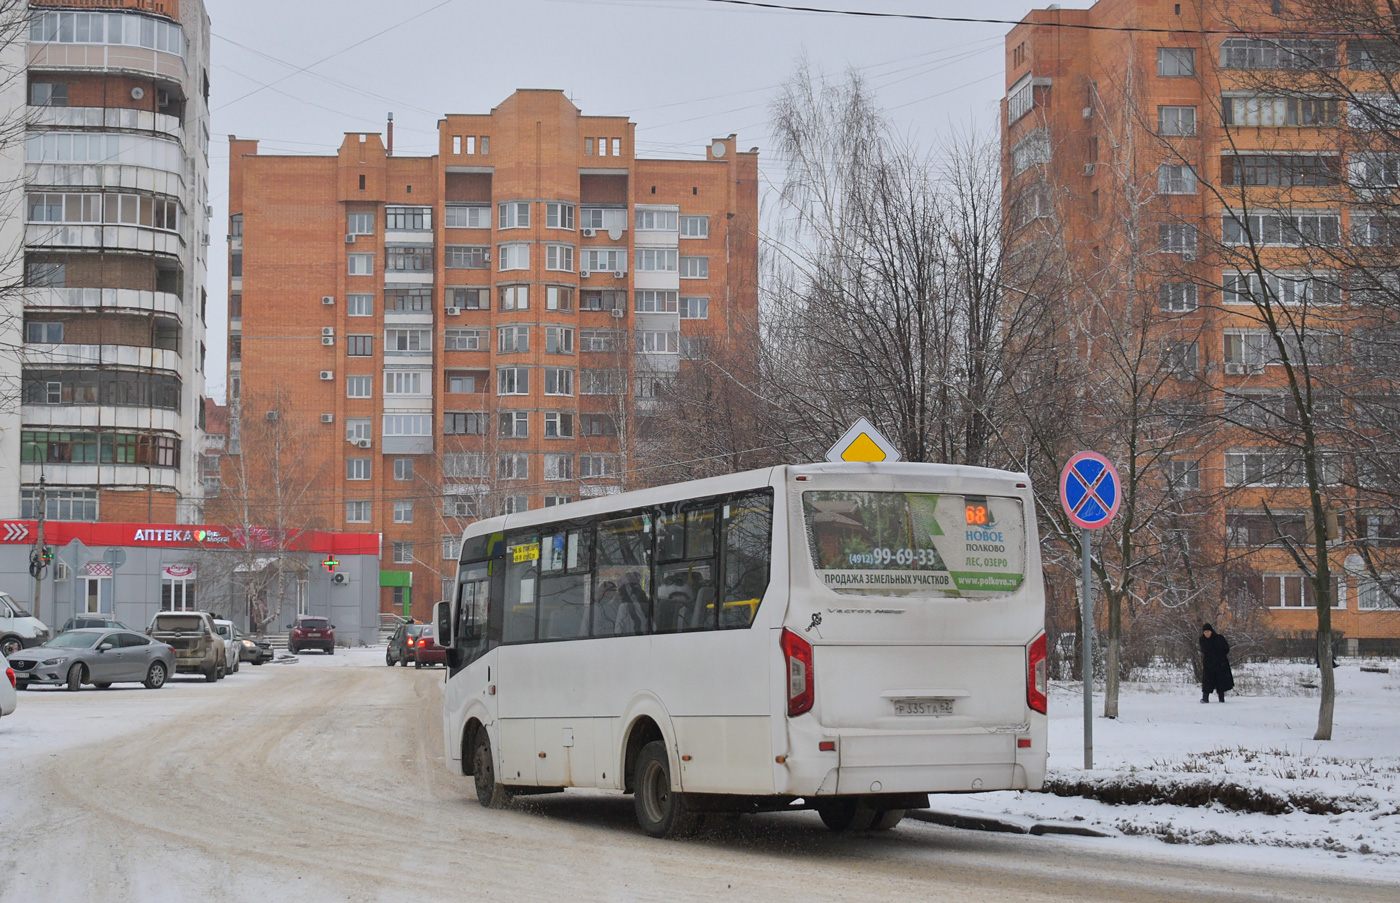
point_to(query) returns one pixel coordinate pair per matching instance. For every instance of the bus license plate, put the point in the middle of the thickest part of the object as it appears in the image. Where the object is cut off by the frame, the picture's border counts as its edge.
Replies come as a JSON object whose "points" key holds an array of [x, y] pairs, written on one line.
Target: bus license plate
{"points": [[935, 706]]}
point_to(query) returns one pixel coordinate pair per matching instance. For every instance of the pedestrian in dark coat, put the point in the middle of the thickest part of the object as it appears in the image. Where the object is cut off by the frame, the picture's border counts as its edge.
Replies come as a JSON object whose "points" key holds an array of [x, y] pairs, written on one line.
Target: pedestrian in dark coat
{"points": [[1215, 664]]}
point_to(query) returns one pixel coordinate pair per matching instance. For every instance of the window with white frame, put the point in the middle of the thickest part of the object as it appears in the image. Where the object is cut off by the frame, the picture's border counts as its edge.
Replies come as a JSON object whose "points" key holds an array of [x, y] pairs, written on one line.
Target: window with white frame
{"points": [[512, 339], [403, 514], [514, 297], [601, 382], [1371, 170], [656, 302], [465, 465], [360, 223], [1296, 591], [650, 386], [515, 215], [513, 381], [357, 468], [1176, 178], [408, 424], [403, 551], [695, 226], [1281, 288], [558, 425], [359, 305], [360, 264], [513, 424], [692, 348], [408, 341], [459, 501], [358, 428], [597, 340], [357, 512], [1182, 359], [558, 297], [558, 381], [408, 258], [651, 220], [591, 466], [694, 308], [517, 504], [408, 219], [462, 339], [1176, 62], [451, 548], [651, 341], [1177, 297], [469, 298], [598, 425], [1176, 121], [1020, 100], [1378, 595], [513, 257], [1032, 150], [513, 467], [359, 387], [558, 467], [1276, 467], [1278, 111], [558, 216], [403, 469], [602, 260], [695, 267], [656, 260], [1278, 53], [406, 382], [1372, 110], [592, 218], [558, 340], [1311, 227], [551, 501], [1184, 474], [468, 217], [559, 258], [466, 257], [1177, 238]]}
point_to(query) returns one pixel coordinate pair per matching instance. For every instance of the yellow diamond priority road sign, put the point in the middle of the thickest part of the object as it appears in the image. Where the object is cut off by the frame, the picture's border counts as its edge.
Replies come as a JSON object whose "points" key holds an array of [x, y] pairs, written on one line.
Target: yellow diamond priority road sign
{"points": [[863, 442]]}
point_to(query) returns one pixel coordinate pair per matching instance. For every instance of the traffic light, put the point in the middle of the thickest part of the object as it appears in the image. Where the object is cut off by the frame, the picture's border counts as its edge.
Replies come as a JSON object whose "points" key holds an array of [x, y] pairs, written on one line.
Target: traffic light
{"points": [[47, 555]]}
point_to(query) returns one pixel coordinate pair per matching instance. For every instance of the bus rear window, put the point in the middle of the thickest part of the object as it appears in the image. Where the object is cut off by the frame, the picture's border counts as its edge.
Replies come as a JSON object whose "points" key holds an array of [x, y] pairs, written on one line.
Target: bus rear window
{"points": [[916, 544]]}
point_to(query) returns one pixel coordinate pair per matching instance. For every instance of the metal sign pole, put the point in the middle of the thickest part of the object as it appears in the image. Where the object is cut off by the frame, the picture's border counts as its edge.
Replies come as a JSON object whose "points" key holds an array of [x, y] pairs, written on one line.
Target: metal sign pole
{"points": [[1086, 624]]}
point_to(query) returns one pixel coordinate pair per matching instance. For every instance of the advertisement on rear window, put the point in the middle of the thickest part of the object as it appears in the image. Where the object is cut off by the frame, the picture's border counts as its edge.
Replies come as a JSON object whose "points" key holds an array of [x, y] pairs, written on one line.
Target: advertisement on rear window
{"points": [[913, 544]]}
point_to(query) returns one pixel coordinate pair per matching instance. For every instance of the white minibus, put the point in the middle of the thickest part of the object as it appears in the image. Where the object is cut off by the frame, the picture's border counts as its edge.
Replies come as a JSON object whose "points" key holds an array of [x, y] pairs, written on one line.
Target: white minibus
{"points": [[840, 637]]}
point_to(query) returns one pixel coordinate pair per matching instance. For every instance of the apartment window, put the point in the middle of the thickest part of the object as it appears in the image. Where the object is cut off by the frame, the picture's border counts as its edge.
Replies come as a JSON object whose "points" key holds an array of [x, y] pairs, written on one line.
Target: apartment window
{"points": [[513, 216], [515, 504], [695, 227], [1177, 297], [461, 465], [43, 333], [600, 382], [60, 504], [1275, 111], [359, 345], [605, 299], [460, 339], [558, 381], [359, 386], [1020, 100], [655, 302], [468, 217], [408, 425], [1382, 595], [1373, 230], [513, 381], [598, 425], [463, 423], [357, 512], [1280, 170], [597, 340], [597, 466], [513, 467], [408, 341], [658, 342], [1373, 55], [558, 467], [603, 260], [357, 429], [1297, 228], [1296, 591], [408, 219], [415, 300], [559, 216], [1175, 178], [458, 504], [1176, 62], [359, 305], [513, 339], [1177, 238], [1176, 121], [1184, 474], [48, 94], [1277, 53], [404, 382], [593, 218], [451, 548], [513, 257], [467, 257], [1246, 351], [403, 551], [461, 382], [408, 258], [656, 220], [656, 260], [558, 297], [650, 387], [692, 308], [513, 424], [515, 297], [1374, 170], [558, 340], [559, 258], [1182, 359], [558, 425], [1032, 150], [360, 264], [551, 501], [54, 274], [358, 223], [695, 267], [357, 468], [469, 298], [692, 348], [1280, 288]]}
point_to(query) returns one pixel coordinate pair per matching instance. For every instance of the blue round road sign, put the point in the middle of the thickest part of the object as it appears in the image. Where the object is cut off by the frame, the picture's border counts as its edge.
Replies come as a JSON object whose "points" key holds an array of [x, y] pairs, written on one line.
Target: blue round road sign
{"points": [[1090, 490]]}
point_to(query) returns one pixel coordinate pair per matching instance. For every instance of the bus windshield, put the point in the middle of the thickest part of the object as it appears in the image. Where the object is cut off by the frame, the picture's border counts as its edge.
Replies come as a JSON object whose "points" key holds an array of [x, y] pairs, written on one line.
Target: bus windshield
{"points": [[916, 544]]}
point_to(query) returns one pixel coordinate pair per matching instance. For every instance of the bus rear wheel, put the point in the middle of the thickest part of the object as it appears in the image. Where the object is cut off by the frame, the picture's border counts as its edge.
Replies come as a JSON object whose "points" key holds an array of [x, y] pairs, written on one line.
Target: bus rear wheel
{"points": [[661, 811], [489, 792], [844, 816], [885, 819]]}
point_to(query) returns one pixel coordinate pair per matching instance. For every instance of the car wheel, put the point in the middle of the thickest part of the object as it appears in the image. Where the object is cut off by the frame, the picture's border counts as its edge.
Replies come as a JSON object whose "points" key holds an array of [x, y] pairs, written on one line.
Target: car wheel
{"points": [[10, 645], [237, 663], [489, 792], [103, 686], [330, 650], [388, 659], [155, 676], [844, 816], [21, 685], [885, 819], [291, 650], [417, 664], [661, 811], [211, 673], [75, 678]]}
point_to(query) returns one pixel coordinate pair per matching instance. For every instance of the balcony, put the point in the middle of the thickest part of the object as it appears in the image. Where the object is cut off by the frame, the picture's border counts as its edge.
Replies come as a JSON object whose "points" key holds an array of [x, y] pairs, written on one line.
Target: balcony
{"points": [[104, 238], [118, 299], [139, 61], [73, 416], [93, 355], [107, 476], [110, 118], [110, 177]]}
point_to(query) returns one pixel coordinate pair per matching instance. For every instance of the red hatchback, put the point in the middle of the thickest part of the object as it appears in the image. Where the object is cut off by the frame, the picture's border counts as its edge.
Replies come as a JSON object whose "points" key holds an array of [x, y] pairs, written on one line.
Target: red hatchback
{"points": [[426, 651], [311, 633]]}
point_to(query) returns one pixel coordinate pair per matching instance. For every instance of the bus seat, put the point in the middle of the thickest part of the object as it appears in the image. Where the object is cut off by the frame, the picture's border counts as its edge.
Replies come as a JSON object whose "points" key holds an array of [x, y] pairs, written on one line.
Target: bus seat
{"points": [[631, 615], [703, 611]]}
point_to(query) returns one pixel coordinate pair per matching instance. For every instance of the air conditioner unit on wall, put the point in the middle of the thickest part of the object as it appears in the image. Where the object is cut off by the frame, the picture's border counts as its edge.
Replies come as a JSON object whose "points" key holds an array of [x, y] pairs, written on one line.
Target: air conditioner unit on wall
{"points": [[619, 274], [328, 299], [272, 416], [1234, 368], [1087, 113], [328, 330], [362, 443], [349, 238], [328, 374], [453, 311], [618, 313], [584, 274], [340, 578], [589, 233], [1089, 168], [327, 340], [328, 418]]}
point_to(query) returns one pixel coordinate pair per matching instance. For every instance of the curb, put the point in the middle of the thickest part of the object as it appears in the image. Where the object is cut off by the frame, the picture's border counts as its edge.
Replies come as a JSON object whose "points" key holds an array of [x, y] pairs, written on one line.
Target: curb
{"points": [[1000, 826]]}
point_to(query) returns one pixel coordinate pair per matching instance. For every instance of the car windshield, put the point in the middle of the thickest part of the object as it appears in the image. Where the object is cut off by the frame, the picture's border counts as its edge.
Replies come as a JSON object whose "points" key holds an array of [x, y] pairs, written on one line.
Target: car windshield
{"points": [[73, 641], [8, 606], [224, 632], [178, 622], [314, 624], [416, 629]]}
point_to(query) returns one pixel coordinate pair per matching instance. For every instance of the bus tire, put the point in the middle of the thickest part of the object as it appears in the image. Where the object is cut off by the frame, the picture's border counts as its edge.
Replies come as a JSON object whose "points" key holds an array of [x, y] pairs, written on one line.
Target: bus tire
{"points": [[885, 819], [490, 792], [661, 811], [845, 816]]}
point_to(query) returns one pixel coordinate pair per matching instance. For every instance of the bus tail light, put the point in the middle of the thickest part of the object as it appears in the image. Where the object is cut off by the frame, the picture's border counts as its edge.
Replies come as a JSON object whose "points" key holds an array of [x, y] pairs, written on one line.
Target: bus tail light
{"points": [[798, 654], [1037, 684]]}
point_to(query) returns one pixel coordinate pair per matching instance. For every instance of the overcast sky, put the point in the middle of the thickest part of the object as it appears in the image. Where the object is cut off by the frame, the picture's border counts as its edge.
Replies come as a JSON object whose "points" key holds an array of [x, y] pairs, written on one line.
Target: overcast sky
{"points": [[683, 70]]}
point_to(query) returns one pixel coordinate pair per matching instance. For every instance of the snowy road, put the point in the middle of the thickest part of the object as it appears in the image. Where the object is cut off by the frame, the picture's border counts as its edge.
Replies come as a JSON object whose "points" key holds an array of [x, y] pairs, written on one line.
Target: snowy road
{"points": [[323, 781]]}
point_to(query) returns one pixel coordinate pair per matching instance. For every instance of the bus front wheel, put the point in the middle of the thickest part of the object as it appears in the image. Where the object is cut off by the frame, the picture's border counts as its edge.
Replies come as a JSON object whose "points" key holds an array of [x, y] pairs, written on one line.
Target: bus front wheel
{"points": [[489, 792], [660, 810]]}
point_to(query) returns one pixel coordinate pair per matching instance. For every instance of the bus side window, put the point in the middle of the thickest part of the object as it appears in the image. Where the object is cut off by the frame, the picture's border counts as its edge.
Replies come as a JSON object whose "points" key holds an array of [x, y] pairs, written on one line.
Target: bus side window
{"points": [[522, 573], [748, 546], [564, 584], [685, 586], [622, 578]]}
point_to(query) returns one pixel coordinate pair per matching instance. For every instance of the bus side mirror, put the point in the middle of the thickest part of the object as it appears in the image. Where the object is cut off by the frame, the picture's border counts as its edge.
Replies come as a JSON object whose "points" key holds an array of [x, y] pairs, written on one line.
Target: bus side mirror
{"points": [[442, 617]]}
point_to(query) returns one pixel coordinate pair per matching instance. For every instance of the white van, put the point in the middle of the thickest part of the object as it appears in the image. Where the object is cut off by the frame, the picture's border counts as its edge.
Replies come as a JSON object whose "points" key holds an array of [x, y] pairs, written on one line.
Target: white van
{"points": [[7, 687], [18, 628]]}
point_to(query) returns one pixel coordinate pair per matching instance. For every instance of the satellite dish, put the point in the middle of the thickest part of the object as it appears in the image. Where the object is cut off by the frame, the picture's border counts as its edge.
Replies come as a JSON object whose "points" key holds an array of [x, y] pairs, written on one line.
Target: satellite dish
{"points": [[615, 233], [138, 93], [718, 148]]}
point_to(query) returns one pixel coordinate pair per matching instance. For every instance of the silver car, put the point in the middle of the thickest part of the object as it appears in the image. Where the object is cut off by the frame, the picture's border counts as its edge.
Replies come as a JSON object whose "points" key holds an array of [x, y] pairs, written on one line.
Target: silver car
{"points": [[97, 656]]}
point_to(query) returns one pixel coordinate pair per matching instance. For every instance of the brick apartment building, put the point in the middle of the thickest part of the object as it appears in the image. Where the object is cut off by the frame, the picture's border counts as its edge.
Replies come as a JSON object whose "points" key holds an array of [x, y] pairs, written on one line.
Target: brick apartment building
{"points": [[435, 339], [1170, 102]]}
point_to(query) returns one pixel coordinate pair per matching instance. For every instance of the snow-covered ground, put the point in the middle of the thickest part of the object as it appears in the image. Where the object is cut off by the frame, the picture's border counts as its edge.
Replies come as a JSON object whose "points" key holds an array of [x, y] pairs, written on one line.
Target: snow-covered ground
{"points": [[1253, 752]]}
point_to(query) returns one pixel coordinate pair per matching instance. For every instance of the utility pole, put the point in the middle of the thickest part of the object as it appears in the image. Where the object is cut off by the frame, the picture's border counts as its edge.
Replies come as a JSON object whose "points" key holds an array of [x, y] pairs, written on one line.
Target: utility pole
{"points": [[37, 565]]}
